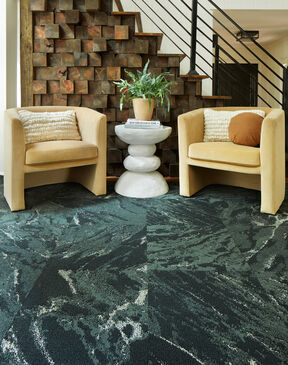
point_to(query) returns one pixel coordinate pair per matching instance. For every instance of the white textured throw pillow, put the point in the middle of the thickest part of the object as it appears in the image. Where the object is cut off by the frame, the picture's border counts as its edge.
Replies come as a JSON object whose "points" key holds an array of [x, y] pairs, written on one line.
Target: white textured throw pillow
{"points": [[216, 123], [49, 126]]}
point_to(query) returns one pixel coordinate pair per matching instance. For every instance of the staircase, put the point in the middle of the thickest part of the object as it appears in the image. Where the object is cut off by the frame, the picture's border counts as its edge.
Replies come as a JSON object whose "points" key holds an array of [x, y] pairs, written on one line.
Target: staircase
{"points": [[90, 48]]}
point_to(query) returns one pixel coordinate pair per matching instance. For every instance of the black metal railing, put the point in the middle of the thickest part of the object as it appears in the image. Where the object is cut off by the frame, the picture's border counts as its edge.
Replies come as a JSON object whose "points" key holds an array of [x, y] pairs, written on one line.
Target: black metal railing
{"points": [[181, 22]]}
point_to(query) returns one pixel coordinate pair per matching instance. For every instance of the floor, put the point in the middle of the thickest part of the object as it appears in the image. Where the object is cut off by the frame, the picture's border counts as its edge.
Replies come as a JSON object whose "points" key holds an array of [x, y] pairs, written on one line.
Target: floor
{"points": [[170, 280]]}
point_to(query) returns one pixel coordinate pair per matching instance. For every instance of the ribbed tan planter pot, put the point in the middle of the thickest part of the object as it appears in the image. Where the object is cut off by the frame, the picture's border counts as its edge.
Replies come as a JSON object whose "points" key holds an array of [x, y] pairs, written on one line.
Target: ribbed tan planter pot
{"points": [[142, 110]]}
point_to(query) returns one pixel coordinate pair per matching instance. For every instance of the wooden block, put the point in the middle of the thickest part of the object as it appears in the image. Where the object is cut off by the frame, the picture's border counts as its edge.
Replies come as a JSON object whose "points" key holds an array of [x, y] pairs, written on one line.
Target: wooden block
{"points": [[114, 20], [90, 32], [87, 45], [100, 73], [141, 46], [67, 59], [94, 59], [156, 61], [128, 60], [108, 59], [52, 31], [113, 73], [67, 31], [173, 61], [94, 31], [121, 32], [66, 87], [68, 17], [114, 155], [101, 88], [74, 100], [81, 73], [39, 87], [53, 87], [190, 88], [122, 115], [97, 101], [44, 46], [95, 18], [67, 45], [39, 59], [80, 59], [174, 170], [59, 100], [37, 100], [52, 5], [50, 73], [92, 5], [39, 32], [54, 59], [65, 4], [115, 46], [81, 87], [37, 5], [47, 100], [99, 45], [178, 88], [108, 32], [111, 116], [44, 18]]}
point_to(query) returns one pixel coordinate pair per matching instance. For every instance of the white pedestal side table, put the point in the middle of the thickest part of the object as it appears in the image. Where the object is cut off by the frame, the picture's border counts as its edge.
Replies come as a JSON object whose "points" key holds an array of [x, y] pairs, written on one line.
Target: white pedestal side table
{"points": [[141, 180]]}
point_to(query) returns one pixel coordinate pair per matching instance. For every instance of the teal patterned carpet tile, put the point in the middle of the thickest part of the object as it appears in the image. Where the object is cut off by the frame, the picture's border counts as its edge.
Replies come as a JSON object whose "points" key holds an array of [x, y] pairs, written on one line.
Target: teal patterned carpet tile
{"points": [[111, 280]]}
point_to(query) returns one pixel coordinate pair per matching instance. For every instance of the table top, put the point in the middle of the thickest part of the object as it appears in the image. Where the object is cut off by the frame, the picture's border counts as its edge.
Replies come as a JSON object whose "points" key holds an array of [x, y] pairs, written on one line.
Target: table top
{"points": [[142, 136]]}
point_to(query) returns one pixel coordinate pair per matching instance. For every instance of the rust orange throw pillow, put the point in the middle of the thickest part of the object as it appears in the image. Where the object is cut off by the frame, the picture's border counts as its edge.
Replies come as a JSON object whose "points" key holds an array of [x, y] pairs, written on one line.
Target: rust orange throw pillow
{"points": [[245, 129]]}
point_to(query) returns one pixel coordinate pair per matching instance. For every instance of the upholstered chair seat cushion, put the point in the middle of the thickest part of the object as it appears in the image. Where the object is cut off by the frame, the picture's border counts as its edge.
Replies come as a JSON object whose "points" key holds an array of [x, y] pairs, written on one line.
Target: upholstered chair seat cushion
{"points": [[59, 151], [225, 152]]}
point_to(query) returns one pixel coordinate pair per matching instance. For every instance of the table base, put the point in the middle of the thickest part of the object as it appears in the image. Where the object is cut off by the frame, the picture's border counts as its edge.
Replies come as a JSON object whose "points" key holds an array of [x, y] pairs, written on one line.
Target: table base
{"points": [[141, 184]]}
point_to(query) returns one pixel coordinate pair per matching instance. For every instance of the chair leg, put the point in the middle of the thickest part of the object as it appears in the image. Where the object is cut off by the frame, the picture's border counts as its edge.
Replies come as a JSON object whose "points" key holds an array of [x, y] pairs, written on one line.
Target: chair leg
{"points": [[14, 192], [92, 178], [272, 194], [191, 179]]}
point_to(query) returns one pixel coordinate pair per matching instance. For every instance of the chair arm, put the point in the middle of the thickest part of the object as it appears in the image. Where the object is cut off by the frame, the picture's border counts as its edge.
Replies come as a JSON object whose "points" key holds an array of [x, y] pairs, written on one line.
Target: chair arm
{"points": [[272, 144], [190, 130], [272, 155], [14, 141], [92, 126]]}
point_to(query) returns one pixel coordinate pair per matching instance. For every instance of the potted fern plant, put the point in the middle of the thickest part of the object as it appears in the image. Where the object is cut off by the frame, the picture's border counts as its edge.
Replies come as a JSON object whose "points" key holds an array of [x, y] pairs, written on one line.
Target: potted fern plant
{"points": [[144, 90]]}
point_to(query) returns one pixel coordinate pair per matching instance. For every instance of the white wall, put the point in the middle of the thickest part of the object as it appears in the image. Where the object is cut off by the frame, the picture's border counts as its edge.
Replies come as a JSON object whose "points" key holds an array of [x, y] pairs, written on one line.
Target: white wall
{"points": [[9, 63], [2, 77]]}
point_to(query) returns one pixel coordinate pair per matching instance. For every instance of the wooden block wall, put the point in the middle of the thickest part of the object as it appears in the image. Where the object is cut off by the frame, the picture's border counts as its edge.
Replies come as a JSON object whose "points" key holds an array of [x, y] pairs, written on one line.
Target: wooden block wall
{"points": [[79, 51]]}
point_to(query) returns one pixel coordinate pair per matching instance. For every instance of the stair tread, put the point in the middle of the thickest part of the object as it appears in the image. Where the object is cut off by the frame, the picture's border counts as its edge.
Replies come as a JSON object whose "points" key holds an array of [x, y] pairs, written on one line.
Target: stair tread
{"points": [[181, 55], [125, 12], [149, 34], [195, 77], [216, 97]]}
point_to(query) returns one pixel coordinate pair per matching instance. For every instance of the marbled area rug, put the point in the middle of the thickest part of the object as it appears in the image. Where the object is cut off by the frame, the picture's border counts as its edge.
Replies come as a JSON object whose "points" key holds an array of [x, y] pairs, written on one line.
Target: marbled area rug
{"points": [[171, 280]]}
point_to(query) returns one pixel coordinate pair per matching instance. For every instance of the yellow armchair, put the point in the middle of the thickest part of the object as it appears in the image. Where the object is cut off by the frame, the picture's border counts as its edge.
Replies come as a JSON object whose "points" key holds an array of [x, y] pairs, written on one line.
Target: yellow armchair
{"points": [[204, 163], [53, 162]]}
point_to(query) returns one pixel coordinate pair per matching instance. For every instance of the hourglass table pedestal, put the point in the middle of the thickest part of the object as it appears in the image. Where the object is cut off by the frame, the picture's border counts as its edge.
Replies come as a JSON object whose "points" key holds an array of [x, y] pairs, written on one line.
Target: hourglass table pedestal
{"points": [[141, 180]]}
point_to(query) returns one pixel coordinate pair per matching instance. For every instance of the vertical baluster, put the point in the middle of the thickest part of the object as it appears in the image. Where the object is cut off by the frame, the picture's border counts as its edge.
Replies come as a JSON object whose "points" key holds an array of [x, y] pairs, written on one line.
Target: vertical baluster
{"points": [[285, 102], [193, 38], [216, 65]]}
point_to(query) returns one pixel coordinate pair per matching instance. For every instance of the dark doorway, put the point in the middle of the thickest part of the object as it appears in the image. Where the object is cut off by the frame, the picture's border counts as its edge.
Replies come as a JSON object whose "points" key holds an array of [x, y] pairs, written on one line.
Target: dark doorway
{"points": [[239, 81]]}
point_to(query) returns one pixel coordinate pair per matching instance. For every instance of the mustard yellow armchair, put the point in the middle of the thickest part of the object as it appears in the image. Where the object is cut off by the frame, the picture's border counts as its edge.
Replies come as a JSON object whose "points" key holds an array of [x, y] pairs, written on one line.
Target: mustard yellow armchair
{"points": [[53, 162], [204, 163]]}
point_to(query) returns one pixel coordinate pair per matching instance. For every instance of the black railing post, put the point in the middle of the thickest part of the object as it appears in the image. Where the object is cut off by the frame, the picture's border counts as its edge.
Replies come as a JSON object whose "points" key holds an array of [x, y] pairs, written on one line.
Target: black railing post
{"points": [[285, 102], [193, 38], [216, 65]]}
